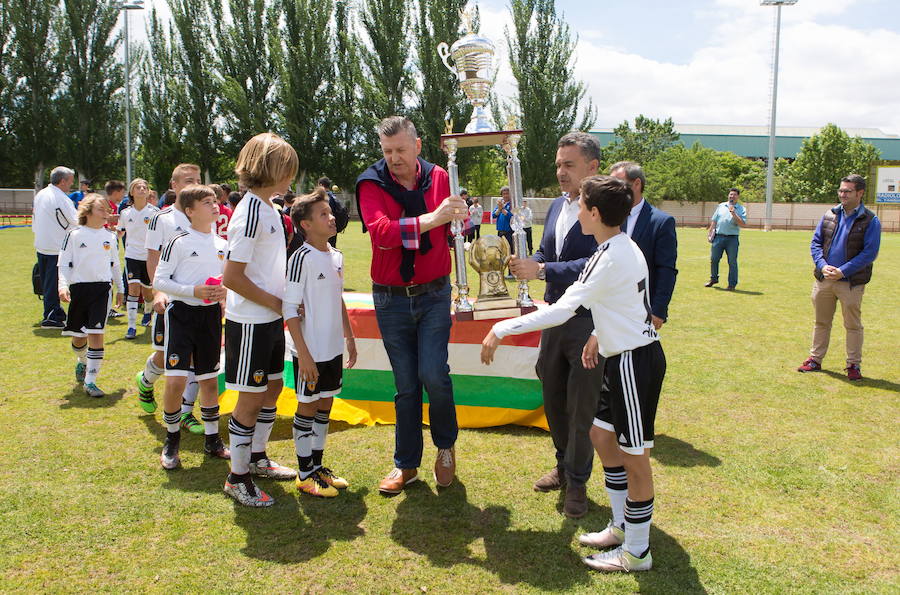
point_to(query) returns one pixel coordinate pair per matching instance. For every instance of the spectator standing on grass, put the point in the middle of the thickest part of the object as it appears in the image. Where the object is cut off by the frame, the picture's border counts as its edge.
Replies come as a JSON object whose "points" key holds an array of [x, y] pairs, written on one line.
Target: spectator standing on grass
{"points": [[527, 222], [843, 249], [54, 216], [476, 214], [84, 188], [724, 228], [503, 217]]}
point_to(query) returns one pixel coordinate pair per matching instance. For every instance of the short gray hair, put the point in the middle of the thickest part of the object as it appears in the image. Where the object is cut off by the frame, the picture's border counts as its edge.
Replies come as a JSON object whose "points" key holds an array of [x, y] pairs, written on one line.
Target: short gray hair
{"points": [[393, 125], [586, 143], [633, 171], [60, 173], [504, 188]]}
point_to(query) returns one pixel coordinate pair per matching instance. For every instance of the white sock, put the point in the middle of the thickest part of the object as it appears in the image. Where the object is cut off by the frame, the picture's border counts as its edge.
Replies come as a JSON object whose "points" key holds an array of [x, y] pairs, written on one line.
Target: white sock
{"points": [[94, 361], [638, 516], [152, 372], [81, 353], [239, 439], [131, 303], [264, 422], [210, 417], [191, 388], [617, 488]]}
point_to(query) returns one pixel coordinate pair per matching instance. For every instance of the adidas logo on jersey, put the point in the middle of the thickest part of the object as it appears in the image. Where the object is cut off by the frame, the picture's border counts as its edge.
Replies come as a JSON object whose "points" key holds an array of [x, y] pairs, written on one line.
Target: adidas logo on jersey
{"points": [[193, 254], [272, 230], [83, 245], [321, 276]]}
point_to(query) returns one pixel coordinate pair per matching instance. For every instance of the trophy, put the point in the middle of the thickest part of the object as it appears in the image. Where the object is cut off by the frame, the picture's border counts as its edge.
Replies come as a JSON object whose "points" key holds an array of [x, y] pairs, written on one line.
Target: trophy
{"points": [[473, 58]]}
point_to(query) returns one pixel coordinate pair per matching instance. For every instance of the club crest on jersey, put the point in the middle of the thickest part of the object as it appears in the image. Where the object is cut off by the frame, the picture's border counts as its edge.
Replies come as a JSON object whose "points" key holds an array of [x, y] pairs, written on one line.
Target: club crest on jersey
{"points": [[130, 275], [221, 254], [106, 245], [146, 220], [258, 376], [159, 337], [173, 359]]}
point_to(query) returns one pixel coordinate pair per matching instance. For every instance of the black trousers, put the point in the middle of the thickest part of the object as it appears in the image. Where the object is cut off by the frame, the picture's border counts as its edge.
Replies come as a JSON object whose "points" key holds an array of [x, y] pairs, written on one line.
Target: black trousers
{"points": [[570, 394]]}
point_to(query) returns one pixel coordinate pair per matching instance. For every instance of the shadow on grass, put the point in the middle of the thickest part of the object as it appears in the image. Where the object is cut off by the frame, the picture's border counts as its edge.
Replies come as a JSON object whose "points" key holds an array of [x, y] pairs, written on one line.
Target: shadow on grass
{"points": [[866, 382], [46, 332], [678, 453], [741, 291], [443, 527], [672, 571], [77, 398]]}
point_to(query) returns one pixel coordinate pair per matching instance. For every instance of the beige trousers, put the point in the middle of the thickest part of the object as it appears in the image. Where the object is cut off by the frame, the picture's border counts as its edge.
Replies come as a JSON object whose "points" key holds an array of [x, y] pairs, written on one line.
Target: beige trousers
{"points": [[825, 295]]}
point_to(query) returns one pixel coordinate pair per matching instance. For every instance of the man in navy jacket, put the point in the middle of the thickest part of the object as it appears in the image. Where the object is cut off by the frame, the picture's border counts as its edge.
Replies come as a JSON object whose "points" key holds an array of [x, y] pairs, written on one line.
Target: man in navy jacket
{"points": [[570, 391]]}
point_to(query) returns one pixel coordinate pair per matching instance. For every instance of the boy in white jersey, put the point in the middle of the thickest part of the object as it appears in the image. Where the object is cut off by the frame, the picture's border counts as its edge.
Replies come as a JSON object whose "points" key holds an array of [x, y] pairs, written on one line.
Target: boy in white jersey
{"points": [[88, 265], [133, 222], [163, 226], [254, 330], [193, 319], [614, 286], [315, 279]]}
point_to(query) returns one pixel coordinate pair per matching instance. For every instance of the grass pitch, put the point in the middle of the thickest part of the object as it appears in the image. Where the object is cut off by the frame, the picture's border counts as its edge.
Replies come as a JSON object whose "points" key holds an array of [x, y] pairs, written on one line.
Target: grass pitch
{"points": [[768, 481]]}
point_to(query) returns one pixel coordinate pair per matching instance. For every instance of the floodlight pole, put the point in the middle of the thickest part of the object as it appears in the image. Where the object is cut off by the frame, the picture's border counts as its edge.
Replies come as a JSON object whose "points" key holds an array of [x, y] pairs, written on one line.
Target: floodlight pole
{"points": [[770, 166], [135, 5]]}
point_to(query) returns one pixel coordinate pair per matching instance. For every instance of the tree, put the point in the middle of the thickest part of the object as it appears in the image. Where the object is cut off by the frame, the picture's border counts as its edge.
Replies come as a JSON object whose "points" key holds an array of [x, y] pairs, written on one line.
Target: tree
{"points": [[36, 127], [386, 54], [540, 55], [643, 143], [438, 92], [487, 173], [823, 160], [248, 68], [162, 108], [194, 57], [694, 175], [7, 152], [307, 69], [91, 77]]}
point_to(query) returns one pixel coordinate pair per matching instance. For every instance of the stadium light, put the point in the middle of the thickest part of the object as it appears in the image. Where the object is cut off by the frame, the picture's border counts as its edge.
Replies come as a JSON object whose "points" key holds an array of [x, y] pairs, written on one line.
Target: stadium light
{"points": [[125, 7], [770, 166]]}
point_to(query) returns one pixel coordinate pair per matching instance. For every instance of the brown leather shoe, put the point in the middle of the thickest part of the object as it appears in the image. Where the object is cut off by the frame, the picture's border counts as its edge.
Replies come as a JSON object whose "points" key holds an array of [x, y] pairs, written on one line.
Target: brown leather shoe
{"points": [[551, 480], [710, 283], [576, 504], [445, 466], [397, 479]]}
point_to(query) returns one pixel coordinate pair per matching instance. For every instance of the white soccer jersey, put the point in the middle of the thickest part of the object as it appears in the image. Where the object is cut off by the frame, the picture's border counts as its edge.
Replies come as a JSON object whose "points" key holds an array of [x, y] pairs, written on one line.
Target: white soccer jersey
{"points": [[189, 259], [89, 255], [316, 280], [256, 237], [614, 285], [135, 223], [163, 226]]}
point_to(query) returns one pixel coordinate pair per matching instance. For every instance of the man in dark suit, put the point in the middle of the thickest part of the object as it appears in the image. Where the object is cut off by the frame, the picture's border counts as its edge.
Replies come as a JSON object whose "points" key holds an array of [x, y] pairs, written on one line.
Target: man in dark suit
{"points": [[570, 391], [654, 233]]}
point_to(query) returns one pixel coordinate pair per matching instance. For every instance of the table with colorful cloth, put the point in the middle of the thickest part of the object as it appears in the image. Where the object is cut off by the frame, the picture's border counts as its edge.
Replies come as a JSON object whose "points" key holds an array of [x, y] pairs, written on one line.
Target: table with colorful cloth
{"points": [[506, 392]]}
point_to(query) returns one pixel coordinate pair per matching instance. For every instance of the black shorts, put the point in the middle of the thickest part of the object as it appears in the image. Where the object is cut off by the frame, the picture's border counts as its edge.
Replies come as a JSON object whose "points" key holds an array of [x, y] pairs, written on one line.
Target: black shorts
{"points": [[88, 309], [136, 272], [254, 355], [331, 375], [194, 341], [159, 332], [628, 408]]}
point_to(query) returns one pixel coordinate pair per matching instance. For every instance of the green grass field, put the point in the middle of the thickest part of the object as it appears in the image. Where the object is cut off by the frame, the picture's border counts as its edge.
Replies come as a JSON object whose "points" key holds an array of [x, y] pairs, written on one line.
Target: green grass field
{"points": [[768, 481]]}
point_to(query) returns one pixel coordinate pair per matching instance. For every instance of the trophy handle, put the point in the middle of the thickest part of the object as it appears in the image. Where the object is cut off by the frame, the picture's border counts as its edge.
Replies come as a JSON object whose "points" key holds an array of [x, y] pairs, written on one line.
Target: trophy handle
{"points": [[443, 51]]}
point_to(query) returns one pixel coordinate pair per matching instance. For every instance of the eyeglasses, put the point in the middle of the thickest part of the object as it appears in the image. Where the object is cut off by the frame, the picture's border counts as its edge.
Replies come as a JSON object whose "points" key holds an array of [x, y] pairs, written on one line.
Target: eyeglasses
{"points": [[845, 191]]}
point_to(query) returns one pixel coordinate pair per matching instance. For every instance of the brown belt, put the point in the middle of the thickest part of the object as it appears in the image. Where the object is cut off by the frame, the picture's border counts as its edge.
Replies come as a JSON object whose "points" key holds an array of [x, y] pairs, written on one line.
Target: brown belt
{"points": [[411, 290]]}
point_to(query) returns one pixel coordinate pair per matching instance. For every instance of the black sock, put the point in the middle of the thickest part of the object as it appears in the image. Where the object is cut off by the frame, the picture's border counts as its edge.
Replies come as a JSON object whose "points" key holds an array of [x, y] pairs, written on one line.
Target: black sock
{"points": [[317, 458], [306, 466], [173, 438], [242, 477], [258, 456]]}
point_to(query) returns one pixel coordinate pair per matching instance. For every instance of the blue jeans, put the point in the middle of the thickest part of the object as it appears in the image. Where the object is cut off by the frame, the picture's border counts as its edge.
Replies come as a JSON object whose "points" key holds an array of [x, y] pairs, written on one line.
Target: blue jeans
{"points": [[729, 245], [415, 332], [47, 267]]}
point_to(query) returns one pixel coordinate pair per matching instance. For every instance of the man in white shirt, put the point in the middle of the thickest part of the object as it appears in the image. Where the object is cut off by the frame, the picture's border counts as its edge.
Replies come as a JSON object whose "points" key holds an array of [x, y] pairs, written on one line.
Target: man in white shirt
{"points": [[54, 216], [570, 391]]}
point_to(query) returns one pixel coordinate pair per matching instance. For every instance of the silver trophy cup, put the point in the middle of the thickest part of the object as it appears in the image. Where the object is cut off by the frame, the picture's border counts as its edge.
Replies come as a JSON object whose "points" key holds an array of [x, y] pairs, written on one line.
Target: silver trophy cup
{"points": [[473, 63]]}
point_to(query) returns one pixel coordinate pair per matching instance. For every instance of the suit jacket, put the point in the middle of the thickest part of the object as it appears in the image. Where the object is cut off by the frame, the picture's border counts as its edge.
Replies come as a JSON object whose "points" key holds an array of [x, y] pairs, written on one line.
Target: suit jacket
{"points": [[654, 233], [562, 269]]}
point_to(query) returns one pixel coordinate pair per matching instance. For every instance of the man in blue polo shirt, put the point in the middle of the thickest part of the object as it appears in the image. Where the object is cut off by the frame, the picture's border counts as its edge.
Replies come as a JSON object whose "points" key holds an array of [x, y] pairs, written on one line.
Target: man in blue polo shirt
{"points": [[724, 227], [843, 249]]}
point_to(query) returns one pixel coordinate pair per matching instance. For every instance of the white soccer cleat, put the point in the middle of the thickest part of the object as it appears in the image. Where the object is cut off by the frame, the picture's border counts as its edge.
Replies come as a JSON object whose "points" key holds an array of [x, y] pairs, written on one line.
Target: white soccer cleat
{"points": [[272, 470], [248, 494], [619, 560], [611, 536]]}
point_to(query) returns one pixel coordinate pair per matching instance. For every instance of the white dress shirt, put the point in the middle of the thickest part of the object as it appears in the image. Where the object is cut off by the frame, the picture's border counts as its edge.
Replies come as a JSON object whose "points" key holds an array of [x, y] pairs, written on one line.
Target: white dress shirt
{"points": [[633, 217], [568, 215]]}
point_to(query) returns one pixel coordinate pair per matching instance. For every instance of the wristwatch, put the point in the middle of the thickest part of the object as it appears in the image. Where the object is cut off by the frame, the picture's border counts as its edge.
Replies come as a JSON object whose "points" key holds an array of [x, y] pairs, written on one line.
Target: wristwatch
{"points": [[541, 274]]}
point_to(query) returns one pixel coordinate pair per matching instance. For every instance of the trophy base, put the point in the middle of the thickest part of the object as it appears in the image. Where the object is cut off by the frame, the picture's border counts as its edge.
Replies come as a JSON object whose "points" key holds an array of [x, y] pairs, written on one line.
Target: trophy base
{"points": [[494, 309]]}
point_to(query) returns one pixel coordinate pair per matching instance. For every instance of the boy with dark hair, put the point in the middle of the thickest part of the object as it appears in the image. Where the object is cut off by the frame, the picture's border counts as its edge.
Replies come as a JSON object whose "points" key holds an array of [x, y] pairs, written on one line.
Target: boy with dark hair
{"points": [[193, 319], [613, 285], [316, 280]]}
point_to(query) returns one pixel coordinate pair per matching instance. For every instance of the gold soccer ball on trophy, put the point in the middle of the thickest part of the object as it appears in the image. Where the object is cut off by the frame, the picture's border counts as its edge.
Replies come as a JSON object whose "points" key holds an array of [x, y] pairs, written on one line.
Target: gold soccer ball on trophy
{"points": [[489, 256]]}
